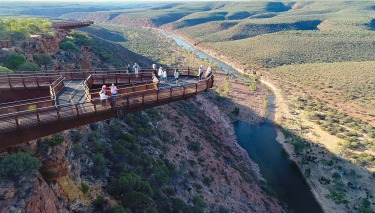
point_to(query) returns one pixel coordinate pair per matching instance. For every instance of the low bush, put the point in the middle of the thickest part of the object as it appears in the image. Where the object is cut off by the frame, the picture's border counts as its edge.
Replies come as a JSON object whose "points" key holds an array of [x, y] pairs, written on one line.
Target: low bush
{"points": [[18, 165]]}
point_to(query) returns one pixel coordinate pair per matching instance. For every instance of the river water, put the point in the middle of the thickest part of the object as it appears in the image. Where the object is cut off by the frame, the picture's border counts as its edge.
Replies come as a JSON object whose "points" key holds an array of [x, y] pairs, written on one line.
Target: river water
{"points": [[281, 173]]}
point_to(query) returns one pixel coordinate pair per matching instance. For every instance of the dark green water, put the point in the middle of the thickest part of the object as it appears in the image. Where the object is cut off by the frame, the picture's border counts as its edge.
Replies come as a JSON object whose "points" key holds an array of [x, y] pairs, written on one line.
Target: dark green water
{"points": [[282, 174]]}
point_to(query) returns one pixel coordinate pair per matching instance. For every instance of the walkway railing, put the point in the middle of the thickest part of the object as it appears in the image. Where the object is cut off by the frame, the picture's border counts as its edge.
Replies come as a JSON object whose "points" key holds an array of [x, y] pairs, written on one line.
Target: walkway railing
{"points": [[19, 127], [56, 87], [17, 81]]}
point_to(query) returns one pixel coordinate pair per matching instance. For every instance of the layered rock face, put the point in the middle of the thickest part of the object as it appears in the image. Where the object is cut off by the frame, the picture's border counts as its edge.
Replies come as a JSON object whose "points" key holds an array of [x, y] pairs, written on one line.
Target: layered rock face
{"points": [[31, 195]]}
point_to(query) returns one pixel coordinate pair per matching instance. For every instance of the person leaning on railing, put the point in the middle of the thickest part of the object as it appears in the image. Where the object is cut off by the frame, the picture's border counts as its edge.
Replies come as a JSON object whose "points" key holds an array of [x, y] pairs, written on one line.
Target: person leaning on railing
{"points": [[103, 98], [200, 72], [113, 92], [208, 72]]}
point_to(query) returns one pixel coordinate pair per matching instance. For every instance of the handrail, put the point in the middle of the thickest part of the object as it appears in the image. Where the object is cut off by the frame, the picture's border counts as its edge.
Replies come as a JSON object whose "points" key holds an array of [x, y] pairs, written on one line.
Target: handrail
{"points": [[26, 100], [46, 99], [27, 118], [56, 87]]}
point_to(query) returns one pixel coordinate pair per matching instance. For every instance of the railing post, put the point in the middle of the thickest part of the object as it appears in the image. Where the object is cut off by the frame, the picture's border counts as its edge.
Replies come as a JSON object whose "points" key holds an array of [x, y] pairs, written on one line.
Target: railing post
{"points": [[141, 77], [76, 107], [23, 81], [37, 116], [10, 83], [17, 122], [157, 96], [95, 108], [143, 99], [196, 88], [127, 101], [206, 85], [188, 71], [37, 82], [58, 113], [183, 94]]}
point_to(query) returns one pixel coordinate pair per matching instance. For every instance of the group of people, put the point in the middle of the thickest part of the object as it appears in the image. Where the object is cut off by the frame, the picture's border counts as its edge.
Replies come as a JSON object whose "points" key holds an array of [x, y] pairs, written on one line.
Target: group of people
{"points": [[160, 75], [201, 71], [104, 94], [136, 68]]}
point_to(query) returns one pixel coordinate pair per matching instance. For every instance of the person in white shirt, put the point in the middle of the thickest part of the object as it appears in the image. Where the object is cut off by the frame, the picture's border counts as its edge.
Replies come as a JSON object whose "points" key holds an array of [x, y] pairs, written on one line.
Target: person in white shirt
{"points": [[208, 71], [160, 74], [136, 69], [165, 76], [176, 75], [200, 72], [113, 92], [103, 98]]}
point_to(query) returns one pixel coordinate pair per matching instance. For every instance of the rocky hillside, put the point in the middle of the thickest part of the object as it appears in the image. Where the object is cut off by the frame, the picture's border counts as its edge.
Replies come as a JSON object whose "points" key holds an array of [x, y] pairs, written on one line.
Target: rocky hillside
{"points": [[177, 158]]}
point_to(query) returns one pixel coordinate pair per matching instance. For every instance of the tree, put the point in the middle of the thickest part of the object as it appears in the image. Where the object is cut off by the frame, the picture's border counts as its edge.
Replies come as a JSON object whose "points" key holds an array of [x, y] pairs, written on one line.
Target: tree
{"points": [[13, 61], [68, 46], [100, 164], [27, 66], [42, 59], [18, 165]]}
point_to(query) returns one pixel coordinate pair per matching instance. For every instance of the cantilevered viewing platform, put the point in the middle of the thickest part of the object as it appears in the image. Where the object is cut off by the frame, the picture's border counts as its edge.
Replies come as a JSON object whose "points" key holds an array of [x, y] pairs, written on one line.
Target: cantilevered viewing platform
{"points": [[71, 25], [72, 99]]}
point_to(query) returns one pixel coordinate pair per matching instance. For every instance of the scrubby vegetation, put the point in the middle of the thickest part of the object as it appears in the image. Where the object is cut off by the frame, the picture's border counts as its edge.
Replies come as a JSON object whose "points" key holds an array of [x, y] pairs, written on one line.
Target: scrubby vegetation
{"points": [[15, 166], [351, 81], [20, 29]]}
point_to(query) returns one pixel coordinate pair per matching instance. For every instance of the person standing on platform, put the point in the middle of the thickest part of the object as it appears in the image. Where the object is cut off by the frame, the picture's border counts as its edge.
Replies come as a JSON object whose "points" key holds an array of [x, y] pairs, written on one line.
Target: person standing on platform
{"points": [[103, 98], [136, 69], [165, 77], [129, 69], [208, 71], [200, 72], [113, 92], [160, 74], [176, 75]]}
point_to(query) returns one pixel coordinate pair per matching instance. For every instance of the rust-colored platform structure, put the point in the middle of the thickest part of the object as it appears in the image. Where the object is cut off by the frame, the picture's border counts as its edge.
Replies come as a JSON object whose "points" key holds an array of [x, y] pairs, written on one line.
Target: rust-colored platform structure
{"points": [[18, 125], [71, 25]]}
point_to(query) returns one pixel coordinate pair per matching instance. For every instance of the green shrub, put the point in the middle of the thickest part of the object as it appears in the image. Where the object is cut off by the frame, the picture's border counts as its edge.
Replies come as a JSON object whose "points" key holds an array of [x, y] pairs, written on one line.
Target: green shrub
{"points": [[68, 46], [18, 165], [137, 201], [13, 61], [117, 209], [27, 66], [98, 202], [42, 59], [194, 146], [4, 69], [308, 172], [127, 183], [199, 202], [338, 197], [55, 140], [100, 164], [85, 188], [298, 145], [236, 111]]}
